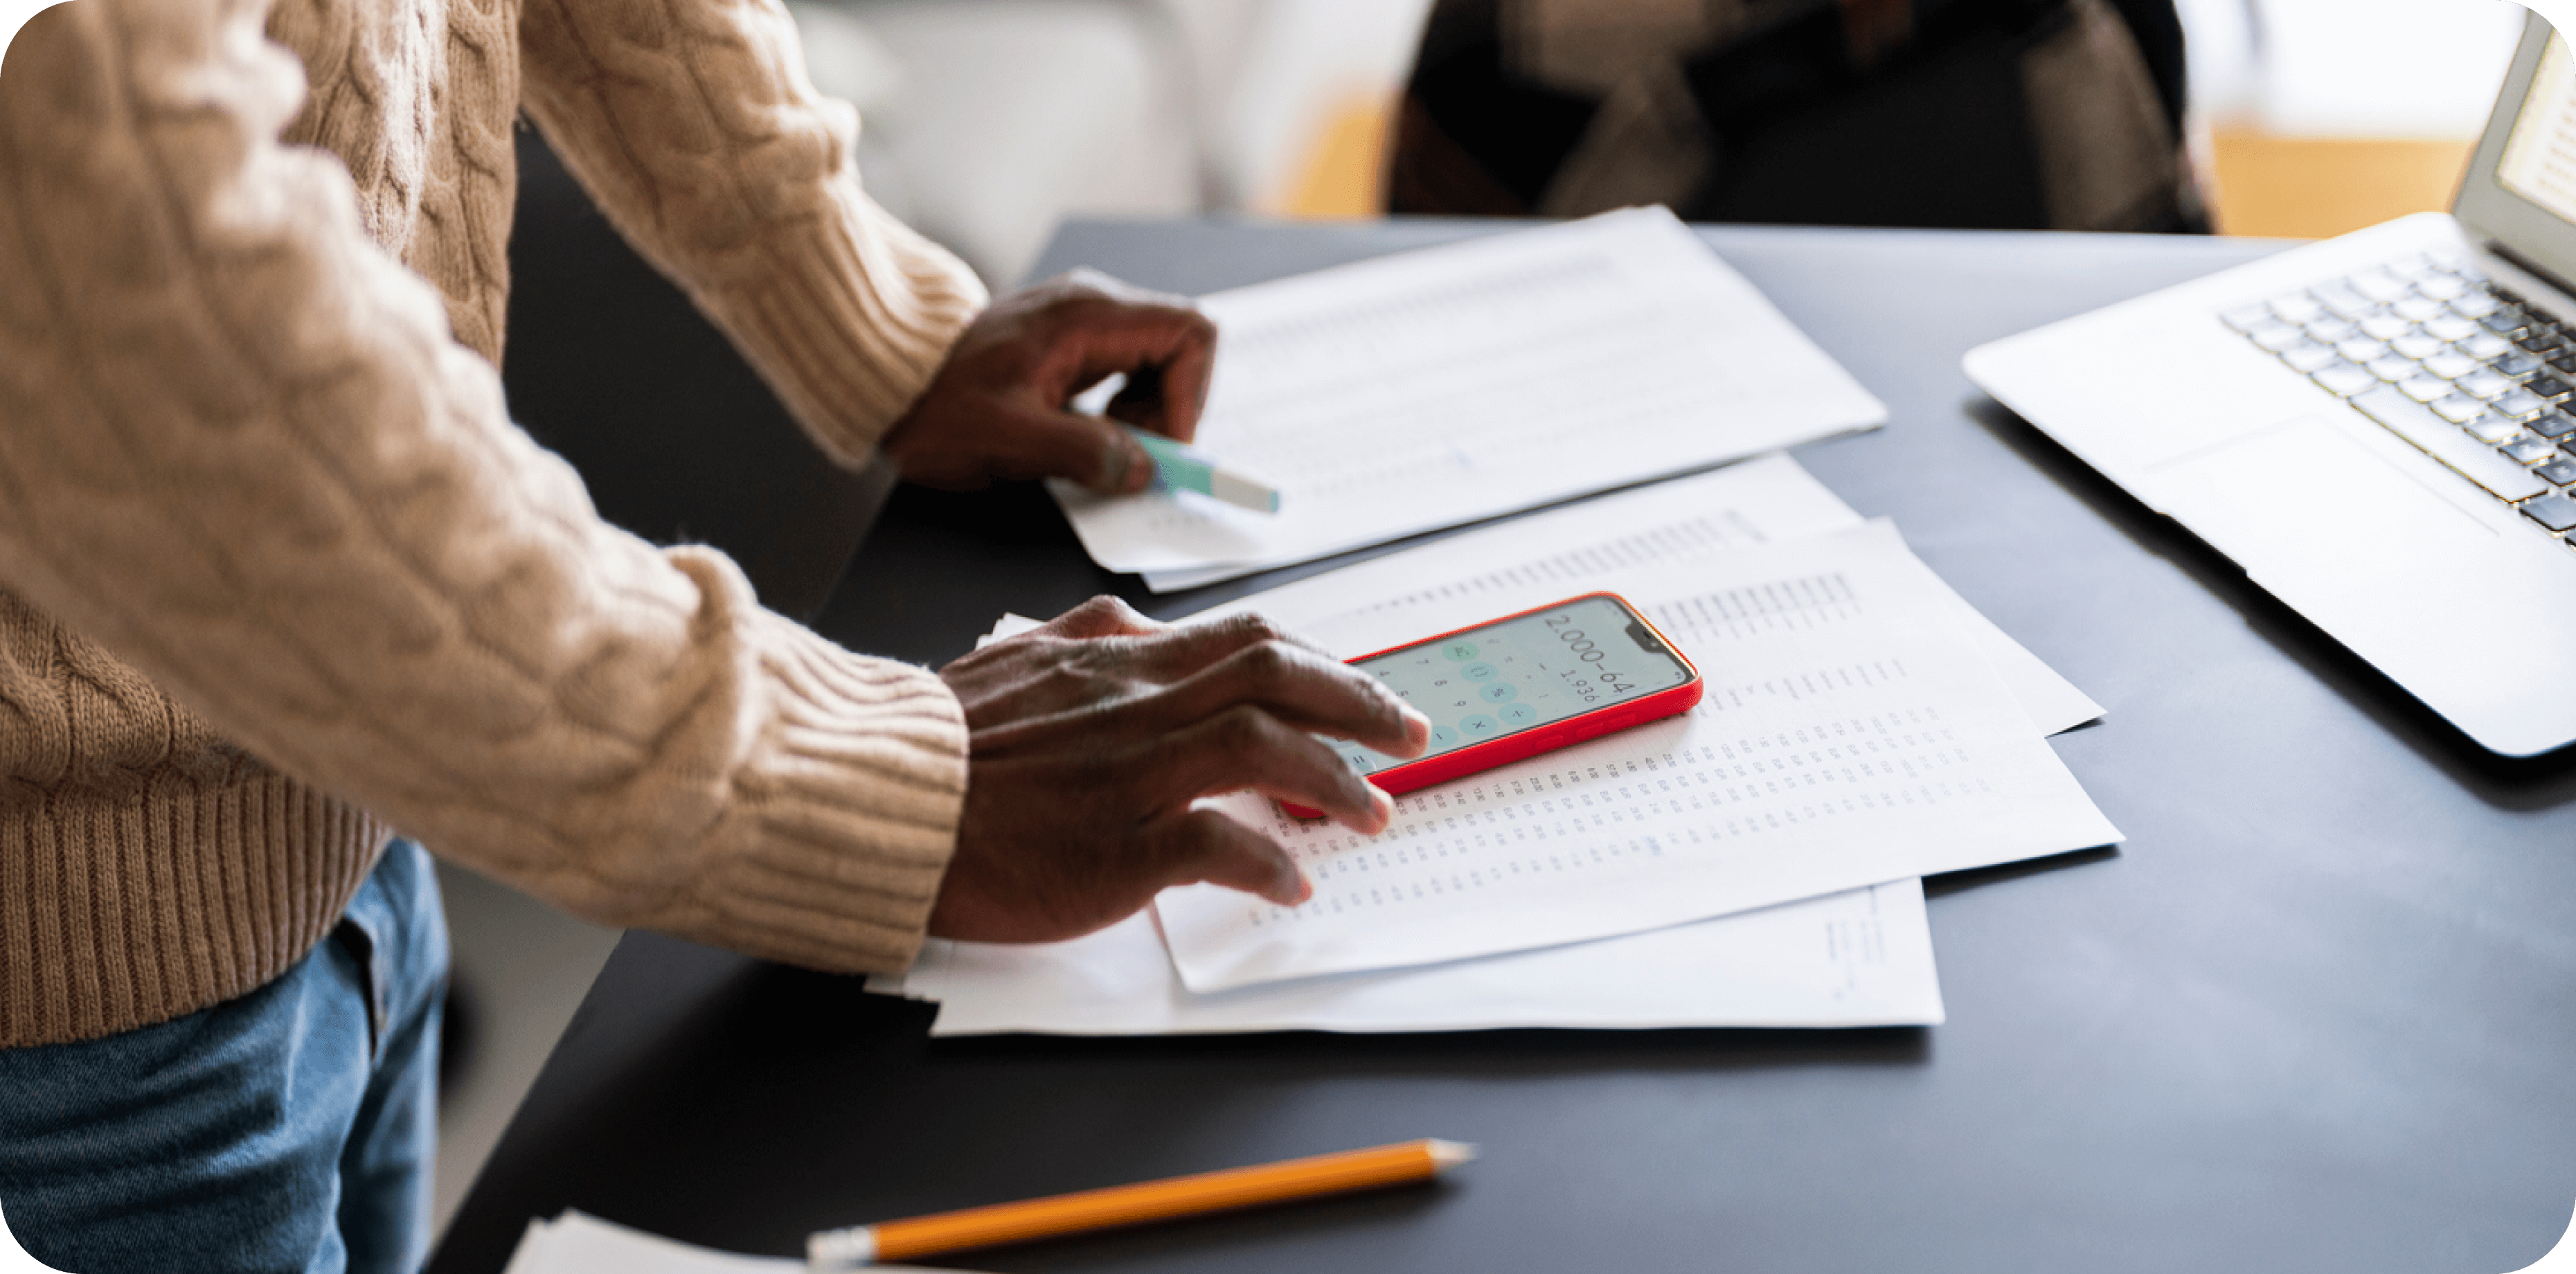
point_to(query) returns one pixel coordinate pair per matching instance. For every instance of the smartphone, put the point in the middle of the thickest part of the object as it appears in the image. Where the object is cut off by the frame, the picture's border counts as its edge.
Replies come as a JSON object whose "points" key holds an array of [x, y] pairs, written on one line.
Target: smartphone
{"points": [[1514, 687]]}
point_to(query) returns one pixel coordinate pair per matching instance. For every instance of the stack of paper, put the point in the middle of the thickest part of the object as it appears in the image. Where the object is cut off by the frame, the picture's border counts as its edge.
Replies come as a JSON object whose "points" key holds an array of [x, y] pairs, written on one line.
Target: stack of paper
{"points": [[579, 1243], [1753, 862], [1461, 382]]}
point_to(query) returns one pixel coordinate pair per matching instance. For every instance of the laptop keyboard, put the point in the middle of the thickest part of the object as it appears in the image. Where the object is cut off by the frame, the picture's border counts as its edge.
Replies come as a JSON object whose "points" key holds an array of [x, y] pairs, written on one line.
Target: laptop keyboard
{"points": [[2449, 360]]}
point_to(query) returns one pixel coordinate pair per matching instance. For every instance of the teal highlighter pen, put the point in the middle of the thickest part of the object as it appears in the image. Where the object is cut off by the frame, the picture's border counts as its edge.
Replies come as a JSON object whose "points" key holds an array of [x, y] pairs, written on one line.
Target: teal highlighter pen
{"points": [[1179, 467]]}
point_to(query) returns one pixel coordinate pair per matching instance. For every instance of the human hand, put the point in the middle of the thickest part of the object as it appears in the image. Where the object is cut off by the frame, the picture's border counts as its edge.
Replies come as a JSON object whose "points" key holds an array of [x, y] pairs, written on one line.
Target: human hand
{"points": [[1091, 738], [998, 407]]}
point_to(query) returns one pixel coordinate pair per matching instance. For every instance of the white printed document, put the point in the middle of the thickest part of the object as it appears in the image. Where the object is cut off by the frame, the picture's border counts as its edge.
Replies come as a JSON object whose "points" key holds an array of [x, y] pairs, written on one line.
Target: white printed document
{"points": [[1862, 958], [579, 1243], [1474, 379], [1851, 734], [1531, 561]]}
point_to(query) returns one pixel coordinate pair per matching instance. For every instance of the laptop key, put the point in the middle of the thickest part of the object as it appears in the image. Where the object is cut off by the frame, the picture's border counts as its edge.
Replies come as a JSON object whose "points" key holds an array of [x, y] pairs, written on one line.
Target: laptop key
{"points": [[2517, 404], [2448, 365], [2492, 430], [2474, 303], [2308, 358], [2441, 287], [2457, 409], [2561, 471], [2485, 385], [2505, 321], [2416, 309], [2343, 380], [2386, 327], [2379, 285], [2530, 450], [2425, 389], [2477, 342], [2350, 304], [2556, 512], [2516, 365], [2434, 436], [2455, 328], [2362, 349], [2277, 337], [2418, 346], [2547, 387], [2390, 367], [2297, 308], [2329, 330]]}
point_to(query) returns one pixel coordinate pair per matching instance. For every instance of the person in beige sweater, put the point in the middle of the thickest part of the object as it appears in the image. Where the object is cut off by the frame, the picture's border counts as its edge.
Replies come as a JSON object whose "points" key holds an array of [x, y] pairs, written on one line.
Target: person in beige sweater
{"points": [[278, 577]]}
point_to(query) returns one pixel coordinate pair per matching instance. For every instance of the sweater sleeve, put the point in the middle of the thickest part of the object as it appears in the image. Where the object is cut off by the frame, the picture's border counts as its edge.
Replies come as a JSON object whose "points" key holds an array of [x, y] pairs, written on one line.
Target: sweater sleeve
{"points": [[692, 124], [243, 451]]}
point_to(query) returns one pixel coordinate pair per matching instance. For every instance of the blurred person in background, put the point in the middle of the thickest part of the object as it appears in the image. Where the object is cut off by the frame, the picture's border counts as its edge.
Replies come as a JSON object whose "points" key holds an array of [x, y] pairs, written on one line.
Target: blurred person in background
{"points": [[1994, 114]]}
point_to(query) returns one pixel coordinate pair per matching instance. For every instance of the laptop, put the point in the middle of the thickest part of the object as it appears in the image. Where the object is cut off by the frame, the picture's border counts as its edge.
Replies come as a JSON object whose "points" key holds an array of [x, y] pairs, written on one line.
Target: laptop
{"points": [[2379, 429]]}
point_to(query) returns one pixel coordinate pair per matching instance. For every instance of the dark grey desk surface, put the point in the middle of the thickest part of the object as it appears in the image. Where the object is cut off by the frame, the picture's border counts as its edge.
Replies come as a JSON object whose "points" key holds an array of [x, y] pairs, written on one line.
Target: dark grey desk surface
{"points": [[2319, 1013]]}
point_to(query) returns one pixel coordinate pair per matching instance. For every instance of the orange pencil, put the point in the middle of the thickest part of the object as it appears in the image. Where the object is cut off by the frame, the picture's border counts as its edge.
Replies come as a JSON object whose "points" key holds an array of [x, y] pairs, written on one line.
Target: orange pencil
{"points": [[835, 1250]]}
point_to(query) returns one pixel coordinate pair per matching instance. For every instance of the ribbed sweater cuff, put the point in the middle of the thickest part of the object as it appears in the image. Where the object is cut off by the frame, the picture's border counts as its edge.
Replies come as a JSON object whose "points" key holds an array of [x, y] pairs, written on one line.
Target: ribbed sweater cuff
{"points": [[851, 320], [847, 814]]}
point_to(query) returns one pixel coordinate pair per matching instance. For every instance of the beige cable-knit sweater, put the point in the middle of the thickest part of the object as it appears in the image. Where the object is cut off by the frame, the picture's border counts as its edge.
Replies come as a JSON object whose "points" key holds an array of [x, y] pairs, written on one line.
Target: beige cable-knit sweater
{"points": [[252, 443]]}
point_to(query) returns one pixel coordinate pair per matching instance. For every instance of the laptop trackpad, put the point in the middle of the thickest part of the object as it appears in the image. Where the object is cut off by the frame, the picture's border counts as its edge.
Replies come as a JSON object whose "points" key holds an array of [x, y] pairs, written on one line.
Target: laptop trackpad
{"points": [[2307, 511]]}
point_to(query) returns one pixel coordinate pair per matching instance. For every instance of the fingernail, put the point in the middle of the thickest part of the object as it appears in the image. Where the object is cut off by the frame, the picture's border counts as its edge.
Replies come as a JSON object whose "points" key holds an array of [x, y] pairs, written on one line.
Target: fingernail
{"points": [[1137, 472], [1305, 888], [1382, 805], [1417, 727]]}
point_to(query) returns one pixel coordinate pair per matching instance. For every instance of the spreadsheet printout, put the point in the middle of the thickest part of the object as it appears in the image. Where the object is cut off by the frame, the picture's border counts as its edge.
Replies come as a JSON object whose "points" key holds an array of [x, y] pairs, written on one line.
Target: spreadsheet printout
{"points": [[1465, 381], [1860, 958], [1850, 735], [1556, 553]]}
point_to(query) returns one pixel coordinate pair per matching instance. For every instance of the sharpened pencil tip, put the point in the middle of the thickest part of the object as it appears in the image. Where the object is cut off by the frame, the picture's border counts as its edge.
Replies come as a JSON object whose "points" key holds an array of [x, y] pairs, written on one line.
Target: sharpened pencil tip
{"points": [[1449, 1154]]}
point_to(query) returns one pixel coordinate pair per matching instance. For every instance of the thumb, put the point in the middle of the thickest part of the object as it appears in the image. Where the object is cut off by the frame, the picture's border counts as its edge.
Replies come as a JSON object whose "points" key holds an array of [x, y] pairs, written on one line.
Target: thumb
{"points": [[1045, 443]]}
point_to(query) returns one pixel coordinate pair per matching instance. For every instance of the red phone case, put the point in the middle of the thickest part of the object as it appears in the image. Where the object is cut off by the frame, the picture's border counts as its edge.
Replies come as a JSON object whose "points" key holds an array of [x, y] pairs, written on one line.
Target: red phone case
{"points": [[1397, 780]]}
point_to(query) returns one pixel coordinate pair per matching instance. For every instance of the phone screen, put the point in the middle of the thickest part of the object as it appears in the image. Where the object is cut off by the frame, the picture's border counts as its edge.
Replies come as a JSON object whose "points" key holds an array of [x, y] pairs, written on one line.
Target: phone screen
{"points": [[1521, 673]]}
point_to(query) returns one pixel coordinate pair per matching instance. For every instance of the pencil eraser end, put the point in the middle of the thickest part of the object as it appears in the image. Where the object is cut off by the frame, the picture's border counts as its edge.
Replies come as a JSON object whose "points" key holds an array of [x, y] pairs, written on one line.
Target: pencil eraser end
{"points": [[839, 1251]]}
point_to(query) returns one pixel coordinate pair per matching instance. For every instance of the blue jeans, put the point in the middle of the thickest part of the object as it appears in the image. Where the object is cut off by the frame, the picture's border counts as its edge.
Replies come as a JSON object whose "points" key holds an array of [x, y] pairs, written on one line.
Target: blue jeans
{"points": [[285, 1132]]}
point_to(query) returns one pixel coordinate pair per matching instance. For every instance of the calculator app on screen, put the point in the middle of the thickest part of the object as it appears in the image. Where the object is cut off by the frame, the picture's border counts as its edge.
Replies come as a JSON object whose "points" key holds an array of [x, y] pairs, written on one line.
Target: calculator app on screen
{"points": [[1521, 673]]}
